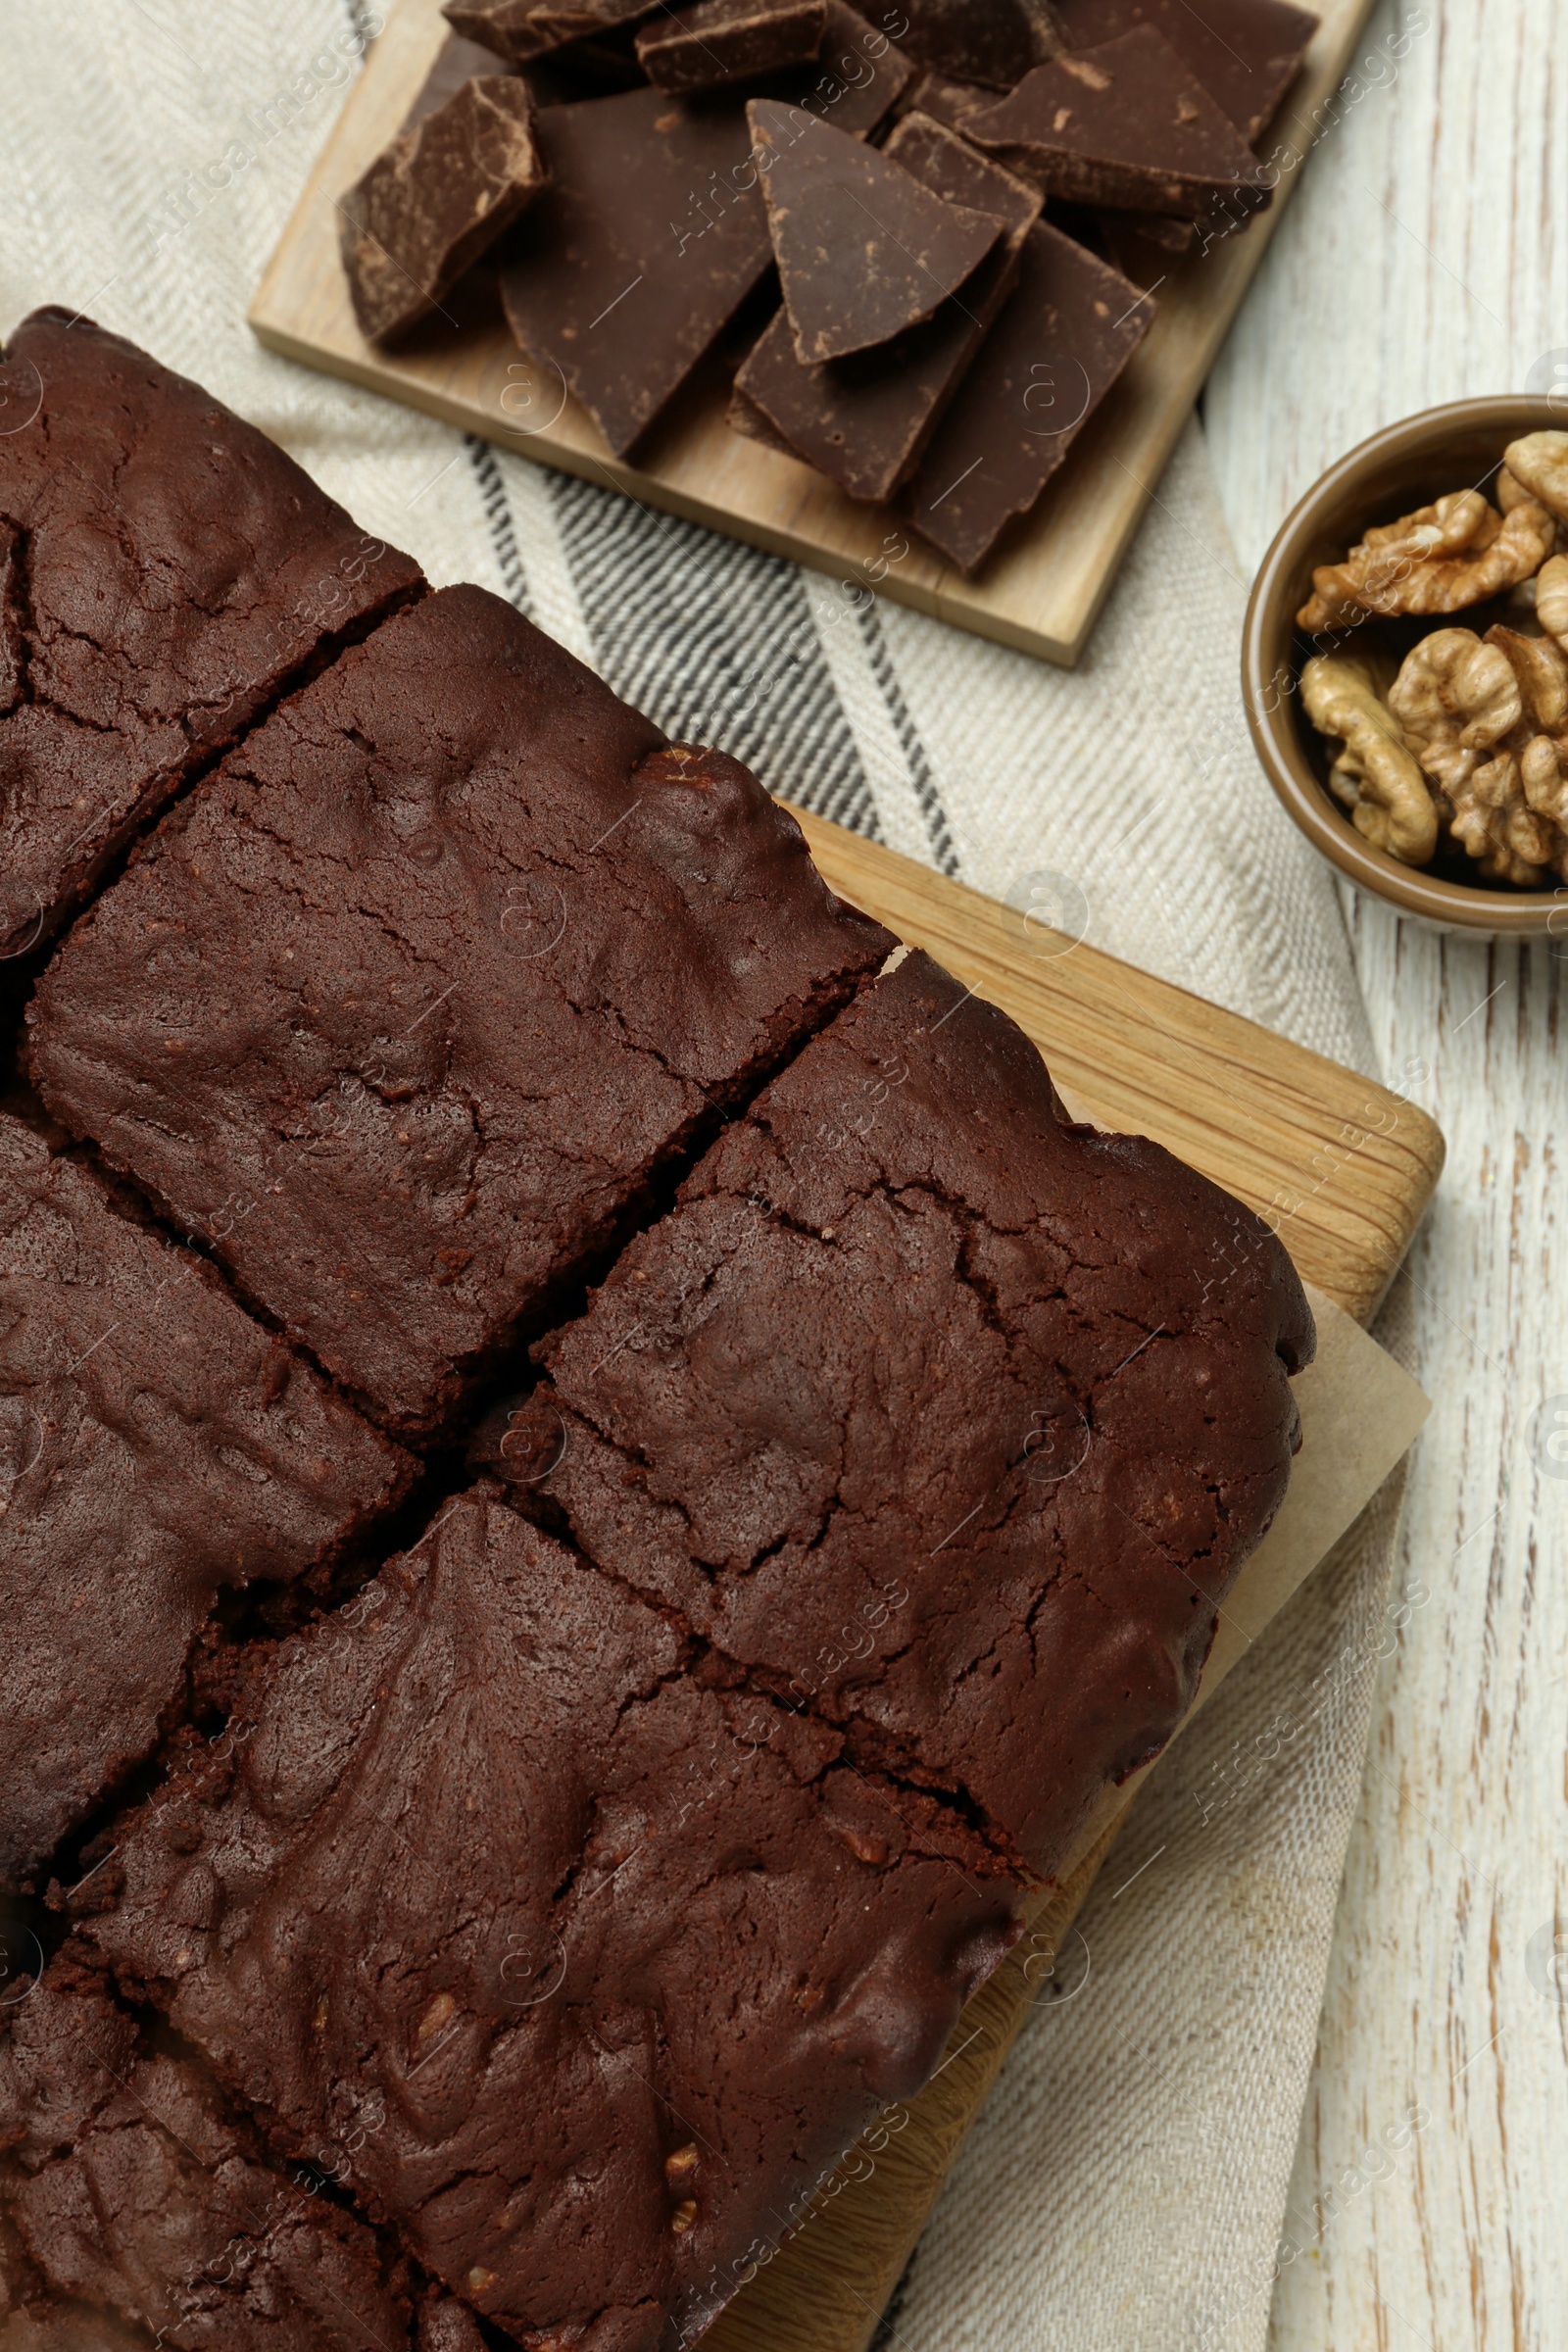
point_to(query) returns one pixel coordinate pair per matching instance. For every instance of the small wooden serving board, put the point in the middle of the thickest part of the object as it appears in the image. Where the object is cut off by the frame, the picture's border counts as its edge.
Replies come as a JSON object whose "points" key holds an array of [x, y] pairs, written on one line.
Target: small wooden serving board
{"points": [[1041, 593], [1344, 1169]]}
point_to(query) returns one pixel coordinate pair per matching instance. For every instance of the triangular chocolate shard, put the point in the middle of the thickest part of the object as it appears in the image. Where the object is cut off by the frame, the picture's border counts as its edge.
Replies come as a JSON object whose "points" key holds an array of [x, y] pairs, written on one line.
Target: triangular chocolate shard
{"points": [[1126, 125], [863, 421], [864, 252]]}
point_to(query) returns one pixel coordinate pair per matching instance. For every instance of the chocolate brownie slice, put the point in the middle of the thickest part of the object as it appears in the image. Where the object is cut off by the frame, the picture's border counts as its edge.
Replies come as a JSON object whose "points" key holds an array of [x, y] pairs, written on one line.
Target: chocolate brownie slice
{"points": [[943, 1416], [134, 2209], [156, 1446], [165, 571], [625, 1957], [406, 1006]]}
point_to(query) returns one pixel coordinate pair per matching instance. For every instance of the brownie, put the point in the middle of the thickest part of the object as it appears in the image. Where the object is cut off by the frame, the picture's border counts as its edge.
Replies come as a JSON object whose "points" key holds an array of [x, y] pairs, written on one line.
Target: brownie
{"points": [[156, 1446], [434, 976], [718, 43], [1246, 53], [135, 2209], [624, 1958], [436, 199], [935, 1413], [164, 572]]}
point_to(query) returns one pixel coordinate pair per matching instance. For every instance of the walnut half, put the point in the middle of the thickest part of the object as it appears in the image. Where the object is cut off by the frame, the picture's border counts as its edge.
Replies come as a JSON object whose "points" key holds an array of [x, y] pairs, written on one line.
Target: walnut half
{"points": [[1441, 558], [1376, 775]]}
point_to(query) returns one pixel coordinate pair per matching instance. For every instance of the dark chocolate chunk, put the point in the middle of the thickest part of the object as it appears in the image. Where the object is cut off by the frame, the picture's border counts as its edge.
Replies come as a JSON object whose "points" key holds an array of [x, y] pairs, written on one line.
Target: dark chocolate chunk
{"points": [[166, 570], [457, 62], [863, 250], [434, 975], [721, 42], [156, 1446], [861, 68], [1246, 53], [1125, 125], [521, 29], [623, 1957], [651, 235], [941, 1417], [1064, 337], [653, 231], [863, 421], [131, 2200], [950, 102], [994, 42], [436, 200]]}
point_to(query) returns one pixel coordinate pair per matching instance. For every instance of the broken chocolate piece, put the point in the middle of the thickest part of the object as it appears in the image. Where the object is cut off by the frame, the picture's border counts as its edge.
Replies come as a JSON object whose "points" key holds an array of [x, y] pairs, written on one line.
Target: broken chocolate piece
{"points": [[457, 62], [655, 233], [864, 252], [1052, 357], [996, 43], [435, 200], [1124, 124], [521, 29], [1246, 53], [863, 421], [861, 69], [650, 237], [721, 42], [950, 102]]}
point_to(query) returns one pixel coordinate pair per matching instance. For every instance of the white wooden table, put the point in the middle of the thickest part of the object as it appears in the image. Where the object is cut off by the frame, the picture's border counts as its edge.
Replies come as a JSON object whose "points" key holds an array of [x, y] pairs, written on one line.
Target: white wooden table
{"points": [[1425, 258]]}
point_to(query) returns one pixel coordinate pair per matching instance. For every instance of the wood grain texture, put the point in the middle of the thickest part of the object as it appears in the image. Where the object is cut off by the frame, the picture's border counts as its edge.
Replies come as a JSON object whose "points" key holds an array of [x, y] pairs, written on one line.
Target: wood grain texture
{"points": [[1439, 237], [1041, 594]]}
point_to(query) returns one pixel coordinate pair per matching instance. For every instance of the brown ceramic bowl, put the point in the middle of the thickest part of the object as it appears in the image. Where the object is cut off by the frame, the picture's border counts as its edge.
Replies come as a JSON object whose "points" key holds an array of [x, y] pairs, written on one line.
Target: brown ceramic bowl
{"points": [[1402, 467]]}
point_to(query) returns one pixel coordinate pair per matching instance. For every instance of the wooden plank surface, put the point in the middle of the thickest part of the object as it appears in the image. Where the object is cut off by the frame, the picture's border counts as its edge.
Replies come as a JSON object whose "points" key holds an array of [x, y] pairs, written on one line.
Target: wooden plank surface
{"points": [[1442, 220], [1041, 594]]}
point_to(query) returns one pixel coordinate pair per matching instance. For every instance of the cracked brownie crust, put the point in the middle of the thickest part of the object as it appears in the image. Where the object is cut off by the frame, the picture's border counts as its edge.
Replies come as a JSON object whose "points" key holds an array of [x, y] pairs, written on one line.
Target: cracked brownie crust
{"points": [[948, 1417], [406, 1007], [133, 2209], [164, 570], [625, 1957], [156, 1446]]}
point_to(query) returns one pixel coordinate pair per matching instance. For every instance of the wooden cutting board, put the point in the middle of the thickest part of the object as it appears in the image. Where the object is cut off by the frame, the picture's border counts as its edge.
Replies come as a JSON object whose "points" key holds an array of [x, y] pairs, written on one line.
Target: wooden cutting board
{"points": [[1041, 594], [1343, 1169]]}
